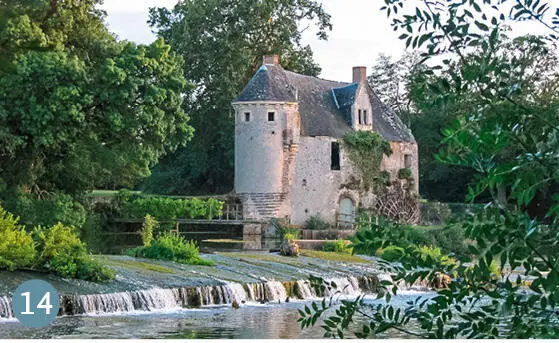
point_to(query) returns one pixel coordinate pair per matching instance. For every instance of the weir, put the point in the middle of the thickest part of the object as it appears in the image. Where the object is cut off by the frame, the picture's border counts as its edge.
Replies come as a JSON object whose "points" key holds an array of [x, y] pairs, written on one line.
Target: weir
{"points": [[194, 297]]}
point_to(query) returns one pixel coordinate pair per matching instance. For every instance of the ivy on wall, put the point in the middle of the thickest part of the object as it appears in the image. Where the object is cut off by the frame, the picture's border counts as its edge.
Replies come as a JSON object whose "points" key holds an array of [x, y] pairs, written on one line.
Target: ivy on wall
{"points": [[365, 150]]}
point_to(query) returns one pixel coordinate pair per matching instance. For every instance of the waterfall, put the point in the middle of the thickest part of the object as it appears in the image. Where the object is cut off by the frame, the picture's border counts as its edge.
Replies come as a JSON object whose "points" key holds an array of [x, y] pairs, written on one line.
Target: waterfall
{"points": [[192, 297], [6, 307]]}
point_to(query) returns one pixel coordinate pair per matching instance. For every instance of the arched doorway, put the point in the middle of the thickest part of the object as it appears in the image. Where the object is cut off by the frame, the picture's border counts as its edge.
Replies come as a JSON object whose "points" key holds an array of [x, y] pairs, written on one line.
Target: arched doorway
{"points": [[347, 213]]}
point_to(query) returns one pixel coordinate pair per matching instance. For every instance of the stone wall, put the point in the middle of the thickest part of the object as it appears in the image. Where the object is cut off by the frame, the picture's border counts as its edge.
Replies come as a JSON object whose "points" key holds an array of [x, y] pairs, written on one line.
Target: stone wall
{"points": [[396, 161]]}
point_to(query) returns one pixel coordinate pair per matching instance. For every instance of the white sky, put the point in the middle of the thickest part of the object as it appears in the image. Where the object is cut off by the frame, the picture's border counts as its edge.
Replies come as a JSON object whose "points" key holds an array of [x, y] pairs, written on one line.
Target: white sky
{"points": [[360, 32]]}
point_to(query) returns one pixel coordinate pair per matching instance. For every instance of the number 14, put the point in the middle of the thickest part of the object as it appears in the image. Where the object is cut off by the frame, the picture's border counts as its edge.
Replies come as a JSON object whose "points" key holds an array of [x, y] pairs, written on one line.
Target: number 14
{"points": [[44, 303]]}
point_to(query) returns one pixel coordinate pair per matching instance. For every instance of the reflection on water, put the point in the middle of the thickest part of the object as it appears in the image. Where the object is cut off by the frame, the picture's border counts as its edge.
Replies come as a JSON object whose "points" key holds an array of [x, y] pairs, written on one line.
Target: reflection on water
{"points": [[250, 321]]}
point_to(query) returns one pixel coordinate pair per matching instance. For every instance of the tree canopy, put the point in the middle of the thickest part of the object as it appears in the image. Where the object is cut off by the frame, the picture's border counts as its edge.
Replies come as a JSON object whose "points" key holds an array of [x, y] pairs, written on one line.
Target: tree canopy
{"points": [[222, 43], [79, 108], [505, 129]]}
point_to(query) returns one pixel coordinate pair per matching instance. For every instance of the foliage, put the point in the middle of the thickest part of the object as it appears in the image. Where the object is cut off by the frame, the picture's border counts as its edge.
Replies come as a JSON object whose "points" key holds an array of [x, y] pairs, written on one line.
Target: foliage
{"points": [[316, 222], [391, 253], [170, 208], [222, 43], [291, 236], [79, 108], [434, 212], [507, 134], [171, 247], [450, 239], [366, 149], [17, 250], [285, 230], [149, 225], [61, 251], [48, 210], [340, 245], [57, 249], [405, 173]]}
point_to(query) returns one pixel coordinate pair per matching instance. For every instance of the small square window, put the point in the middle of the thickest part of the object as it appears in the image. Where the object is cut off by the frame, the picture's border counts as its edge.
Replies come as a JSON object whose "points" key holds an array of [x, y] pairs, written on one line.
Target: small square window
{"points": [[247, 116], [271, 116]]}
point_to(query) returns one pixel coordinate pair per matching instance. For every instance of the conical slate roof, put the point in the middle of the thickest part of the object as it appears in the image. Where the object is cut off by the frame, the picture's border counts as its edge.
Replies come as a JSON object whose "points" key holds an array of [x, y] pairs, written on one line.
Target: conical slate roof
{"points": [[324, 105]]}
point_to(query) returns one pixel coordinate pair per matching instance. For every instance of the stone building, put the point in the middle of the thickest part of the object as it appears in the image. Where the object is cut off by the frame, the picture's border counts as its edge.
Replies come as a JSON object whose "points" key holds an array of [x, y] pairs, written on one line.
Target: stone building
{"points": [[290, 160]]}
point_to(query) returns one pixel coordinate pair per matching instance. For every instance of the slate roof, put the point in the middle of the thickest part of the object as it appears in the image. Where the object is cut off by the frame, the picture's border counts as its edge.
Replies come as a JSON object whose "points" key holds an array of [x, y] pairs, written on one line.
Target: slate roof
{"points": [[324, 106]]}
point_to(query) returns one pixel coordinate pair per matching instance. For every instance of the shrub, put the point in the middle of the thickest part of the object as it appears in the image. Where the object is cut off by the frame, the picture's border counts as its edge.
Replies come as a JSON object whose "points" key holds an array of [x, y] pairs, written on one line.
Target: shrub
{"points": [[171, 247], [169, 208], [146, 232], [283, 230], [433, 254], [340, 245], [290, 236], [316, 223], [16, 245], [60, 250], [50, 210], [405, 174], [391, 253]]}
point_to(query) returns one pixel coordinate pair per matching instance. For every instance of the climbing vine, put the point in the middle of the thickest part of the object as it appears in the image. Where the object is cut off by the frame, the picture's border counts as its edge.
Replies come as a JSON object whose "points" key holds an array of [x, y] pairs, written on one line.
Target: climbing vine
{"points": [[365, 150]]}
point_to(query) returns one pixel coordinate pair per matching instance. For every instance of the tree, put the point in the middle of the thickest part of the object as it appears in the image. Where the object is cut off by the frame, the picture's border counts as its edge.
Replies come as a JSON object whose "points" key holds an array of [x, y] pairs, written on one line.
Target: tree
{"points": [[222, 43], [401, 84], [508, 134], [78, 108]]}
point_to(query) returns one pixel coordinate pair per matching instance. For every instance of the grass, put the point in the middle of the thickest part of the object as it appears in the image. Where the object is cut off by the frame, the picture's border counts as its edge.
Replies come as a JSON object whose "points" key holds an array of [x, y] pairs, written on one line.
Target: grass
{"points": [[292, 261], [333, 256], [139, 266]]}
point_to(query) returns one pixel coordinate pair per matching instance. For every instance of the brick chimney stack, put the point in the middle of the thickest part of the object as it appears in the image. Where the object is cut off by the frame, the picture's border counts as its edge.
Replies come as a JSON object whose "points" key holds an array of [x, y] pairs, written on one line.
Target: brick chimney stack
{"points": [[271, 60], [359, 74]]}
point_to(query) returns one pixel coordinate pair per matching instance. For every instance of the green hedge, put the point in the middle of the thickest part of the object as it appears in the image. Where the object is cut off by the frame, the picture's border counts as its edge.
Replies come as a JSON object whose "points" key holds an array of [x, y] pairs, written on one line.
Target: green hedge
{"points": [[169, 208]]}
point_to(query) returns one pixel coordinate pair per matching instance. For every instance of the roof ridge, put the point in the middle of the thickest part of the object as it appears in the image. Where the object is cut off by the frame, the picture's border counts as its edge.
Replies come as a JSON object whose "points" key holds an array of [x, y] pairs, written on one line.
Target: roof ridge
{"points": [[316, 77]]}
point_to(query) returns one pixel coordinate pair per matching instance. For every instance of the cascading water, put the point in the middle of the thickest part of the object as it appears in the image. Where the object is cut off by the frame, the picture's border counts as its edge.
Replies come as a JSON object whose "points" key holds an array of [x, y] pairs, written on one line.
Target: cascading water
{"points": [[168, 299], [6, 307]]}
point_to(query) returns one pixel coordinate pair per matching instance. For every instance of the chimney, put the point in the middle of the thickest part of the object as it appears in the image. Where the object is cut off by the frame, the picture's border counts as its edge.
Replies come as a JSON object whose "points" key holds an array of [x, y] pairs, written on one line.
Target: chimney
{"points": [[359, 74], [271, 60]]}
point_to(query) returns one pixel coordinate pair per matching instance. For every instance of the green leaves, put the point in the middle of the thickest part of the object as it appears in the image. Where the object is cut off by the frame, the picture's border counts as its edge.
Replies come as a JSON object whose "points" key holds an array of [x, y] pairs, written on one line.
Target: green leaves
{"points": [[80, 109]]}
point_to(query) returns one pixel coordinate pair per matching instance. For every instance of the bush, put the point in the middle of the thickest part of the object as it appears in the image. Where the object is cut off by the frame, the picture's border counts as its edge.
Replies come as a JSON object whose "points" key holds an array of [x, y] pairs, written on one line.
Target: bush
{"points": [[405, 174], [149, 225], [50, 210], [169, 208], [316, 223], [60, 250], [290, 236], [391, 253], [340, 245], [284, 230], [17, 249], [171, 247], [433, 254]]}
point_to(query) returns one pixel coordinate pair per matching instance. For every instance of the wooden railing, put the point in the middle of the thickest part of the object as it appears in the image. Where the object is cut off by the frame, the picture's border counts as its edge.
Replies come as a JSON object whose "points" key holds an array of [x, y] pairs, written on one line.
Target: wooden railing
{"points": [[232, 212]]}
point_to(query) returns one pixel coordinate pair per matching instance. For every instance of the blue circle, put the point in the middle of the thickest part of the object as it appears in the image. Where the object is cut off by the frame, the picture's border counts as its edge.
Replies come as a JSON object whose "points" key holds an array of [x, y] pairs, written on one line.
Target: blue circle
{"points": [[35, 303]]}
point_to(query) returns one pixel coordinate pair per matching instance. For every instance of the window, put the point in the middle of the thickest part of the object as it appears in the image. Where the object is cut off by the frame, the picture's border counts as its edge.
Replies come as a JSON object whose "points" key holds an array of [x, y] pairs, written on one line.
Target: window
{"points": [[365, 119], [407, 161], [335, 156], [247, 116], [271, 116], [360, 117]]}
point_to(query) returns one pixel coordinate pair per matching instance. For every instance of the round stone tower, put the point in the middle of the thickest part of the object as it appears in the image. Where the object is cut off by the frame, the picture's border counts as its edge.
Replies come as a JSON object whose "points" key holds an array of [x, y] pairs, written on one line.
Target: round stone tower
{"points": [[267, 129]]}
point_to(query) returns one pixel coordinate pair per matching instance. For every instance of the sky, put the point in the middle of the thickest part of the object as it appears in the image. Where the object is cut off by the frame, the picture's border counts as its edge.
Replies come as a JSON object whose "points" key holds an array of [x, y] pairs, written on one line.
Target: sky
{"points": [[360, 32]]}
